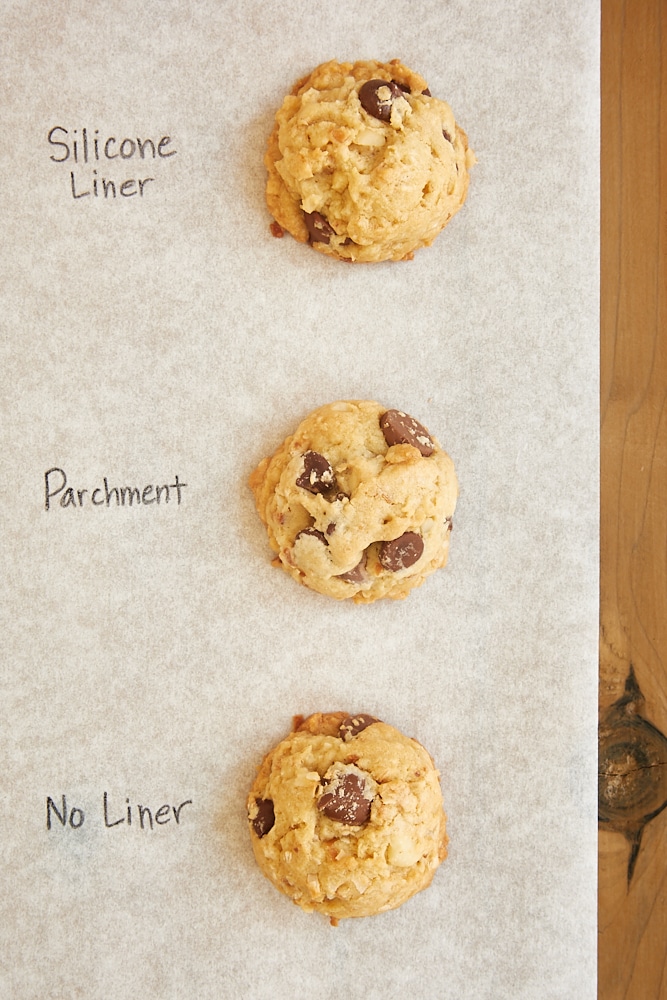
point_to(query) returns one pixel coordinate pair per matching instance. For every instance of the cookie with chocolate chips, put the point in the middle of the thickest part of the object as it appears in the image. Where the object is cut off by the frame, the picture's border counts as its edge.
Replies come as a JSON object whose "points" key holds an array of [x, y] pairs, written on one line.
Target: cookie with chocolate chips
{"points": [[346, 816], [364, 163], [358, 502]]}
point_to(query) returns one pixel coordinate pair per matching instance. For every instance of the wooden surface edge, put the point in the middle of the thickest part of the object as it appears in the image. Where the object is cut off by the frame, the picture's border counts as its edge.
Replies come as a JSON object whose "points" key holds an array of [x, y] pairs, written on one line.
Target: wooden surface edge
{"points": [[632, 916]]}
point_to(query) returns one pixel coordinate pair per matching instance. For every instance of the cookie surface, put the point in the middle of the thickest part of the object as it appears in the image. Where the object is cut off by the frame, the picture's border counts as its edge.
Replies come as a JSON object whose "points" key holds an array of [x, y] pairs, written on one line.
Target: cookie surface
{"points": [[346, 816], [358, 502], [364, 164]]}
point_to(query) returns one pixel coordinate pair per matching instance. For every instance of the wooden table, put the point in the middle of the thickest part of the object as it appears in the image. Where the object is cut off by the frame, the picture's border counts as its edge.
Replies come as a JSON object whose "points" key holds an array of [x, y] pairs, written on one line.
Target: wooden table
{"points": [[633, 585]]}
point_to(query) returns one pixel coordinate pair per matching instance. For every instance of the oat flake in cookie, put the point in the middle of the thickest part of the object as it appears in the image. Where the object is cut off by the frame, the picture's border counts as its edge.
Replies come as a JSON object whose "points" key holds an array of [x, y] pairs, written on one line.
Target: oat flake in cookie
{"points": [[346, 816], [358, 502], [364, 163]]}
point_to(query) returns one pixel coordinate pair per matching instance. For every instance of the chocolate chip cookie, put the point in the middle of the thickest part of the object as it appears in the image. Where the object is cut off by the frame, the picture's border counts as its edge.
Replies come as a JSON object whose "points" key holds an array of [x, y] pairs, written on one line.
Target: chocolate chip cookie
{"points": [[358, 502], [346, 816], [364, 163]]}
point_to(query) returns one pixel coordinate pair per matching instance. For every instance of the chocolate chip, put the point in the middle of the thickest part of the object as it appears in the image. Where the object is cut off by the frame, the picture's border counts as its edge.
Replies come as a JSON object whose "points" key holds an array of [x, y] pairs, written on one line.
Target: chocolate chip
{"points": [[344, 799], [265, 818], [314, 532], [357, 574], [426, 93], [317, 475], [355, 724], [401, 552], [377, 97], [400, 428], [331, 527], [447, 135], [402, 86], [319, 230]]}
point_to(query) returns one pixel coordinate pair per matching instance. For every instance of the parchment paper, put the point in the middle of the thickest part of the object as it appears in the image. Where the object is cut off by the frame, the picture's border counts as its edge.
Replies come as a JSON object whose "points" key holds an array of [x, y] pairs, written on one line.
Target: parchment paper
{"points": [[152, 655]]}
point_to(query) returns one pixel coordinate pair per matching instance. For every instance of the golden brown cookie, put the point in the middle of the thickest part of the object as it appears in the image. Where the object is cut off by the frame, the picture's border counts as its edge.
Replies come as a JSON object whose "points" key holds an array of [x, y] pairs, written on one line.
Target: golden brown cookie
{"points": [[346, 816], [364, 164], [358, 502]]}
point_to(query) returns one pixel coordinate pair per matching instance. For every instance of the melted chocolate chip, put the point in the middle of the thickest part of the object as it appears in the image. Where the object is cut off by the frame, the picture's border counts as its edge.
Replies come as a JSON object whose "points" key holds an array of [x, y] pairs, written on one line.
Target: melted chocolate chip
{"points": [[447, 135], [402, 552], [400, 428], [314, 532], [344, 799], [377, 97], [357, 574], [355, 724], [319, 230], [265, 818], [317, 475]]}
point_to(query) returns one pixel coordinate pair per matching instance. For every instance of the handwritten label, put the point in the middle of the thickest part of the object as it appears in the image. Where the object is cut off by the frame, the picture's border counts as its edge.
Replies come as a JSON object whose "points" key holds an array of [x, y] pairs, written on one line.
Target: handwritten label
{"points": [[57, 493], [98, 164], [111, 814]]}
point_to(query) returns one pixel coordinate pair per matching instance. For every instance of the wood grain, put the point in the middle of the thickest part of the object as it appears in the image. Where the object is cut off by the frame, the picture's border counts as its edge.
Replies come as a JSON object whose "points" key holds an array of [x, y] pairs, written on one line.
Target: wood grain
{"points": [[633, 584]]}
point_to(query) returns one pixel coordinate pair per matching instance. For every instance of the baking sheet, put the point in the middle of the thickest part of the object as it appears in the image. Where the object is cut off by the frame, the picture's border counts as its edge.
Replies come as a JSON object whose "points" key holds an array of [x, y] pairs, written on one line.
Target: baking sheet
{"points": [[151, 654]]}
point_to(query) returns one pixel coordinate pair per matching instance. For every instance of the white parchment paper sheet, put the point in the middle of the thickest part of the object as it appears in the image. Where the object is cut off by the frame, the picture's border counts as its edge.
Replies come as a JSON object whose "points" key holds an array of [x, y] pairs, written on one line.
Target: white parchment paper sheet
{"points": [[152, 653]]}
